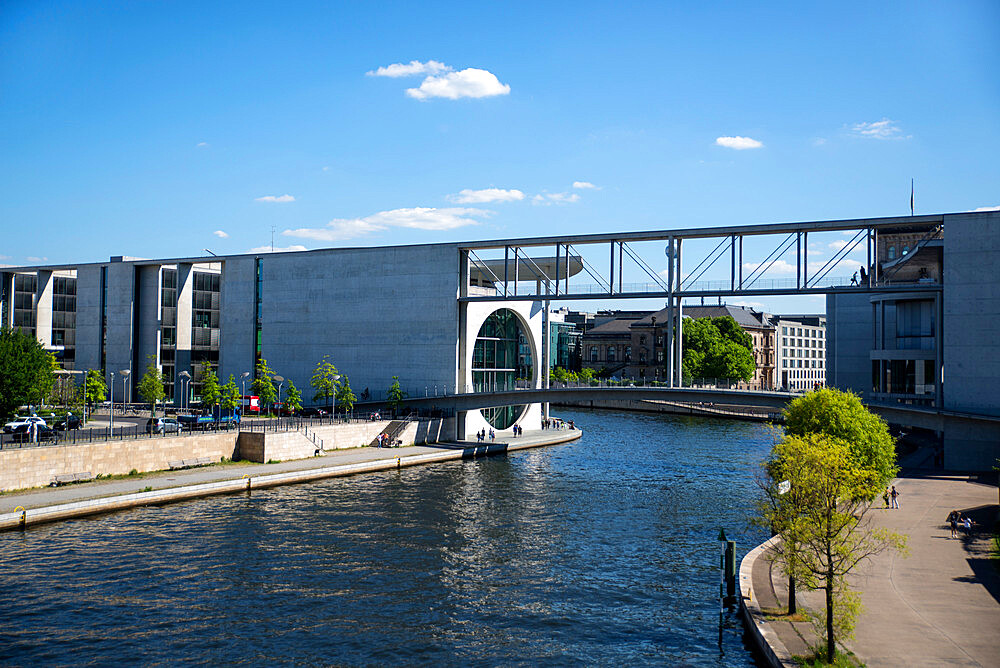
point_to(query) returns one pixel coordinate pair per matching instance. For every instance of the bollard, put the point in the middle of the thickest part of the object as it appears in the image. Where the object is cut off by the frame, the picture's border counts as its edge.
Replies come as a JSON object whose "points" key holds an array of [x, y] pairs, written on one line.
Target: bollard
{"points": [[730, 569], [24, 517], [247, 478]]}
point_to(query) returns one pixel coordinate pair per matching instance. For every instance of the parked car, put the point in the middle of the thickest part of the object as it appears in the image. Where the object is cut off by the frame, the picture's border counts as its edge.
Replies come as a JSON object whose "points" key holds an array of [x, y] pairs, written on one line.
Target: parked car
{"points": [[22, 433], [314, 411], [69, 422], [23, 421], [163, 425]]}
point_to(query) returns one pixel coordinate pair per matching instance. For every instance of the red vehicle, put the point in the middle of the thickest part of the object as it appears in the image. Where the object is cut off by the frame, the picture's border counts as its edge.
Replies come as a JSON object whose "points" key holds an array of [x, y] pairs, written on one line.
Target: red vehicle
{"points": [[250, 404]]}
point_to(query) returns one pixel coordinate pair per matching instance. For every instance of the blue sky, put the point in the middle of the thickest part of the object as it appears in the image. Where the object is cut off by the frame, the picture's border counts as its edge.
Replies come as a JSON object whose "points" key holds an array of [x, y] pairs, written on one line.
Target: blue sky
{"points": [[159, 129]]}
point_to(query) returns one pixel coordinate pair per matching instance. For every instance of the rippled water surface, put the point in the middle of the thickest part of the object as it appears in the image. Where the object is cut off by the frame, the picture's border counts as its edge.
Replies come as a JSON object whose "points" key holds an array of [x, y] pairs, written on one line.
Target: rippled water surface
{"points": [[603, 551]]}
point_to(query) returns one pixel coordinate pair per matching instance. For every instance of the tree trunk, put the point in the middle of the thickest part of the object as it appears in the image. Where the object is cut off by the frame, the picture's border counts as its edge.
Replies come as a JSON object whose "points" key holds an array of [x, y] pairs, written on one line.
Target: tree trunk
{"points": [[830, 648], [791, 595]]}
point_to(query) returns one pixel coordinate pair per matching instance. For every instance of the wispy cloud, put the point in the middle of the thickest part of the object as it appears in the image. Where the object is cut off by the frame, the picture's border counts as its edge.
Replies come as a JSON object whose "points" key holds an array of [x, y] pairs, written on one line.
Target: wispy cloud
{"points": [[738, 143], [785, 267], [32, 258], [273, 198], [547, 199], [201, 144], [584, 185], [414, 67], [884, 129], [221, 234], [987, 208], [418, 218], [277, 249], [486, 195]]}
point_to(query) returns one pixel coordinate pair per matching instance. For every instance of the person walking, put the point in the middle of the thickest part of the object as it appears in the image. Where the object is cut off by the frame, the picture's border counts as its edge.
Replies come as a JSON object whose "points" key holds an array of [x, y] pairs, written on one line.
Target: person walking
{"points": [[895, 495], [953, 519], [854, 279]]}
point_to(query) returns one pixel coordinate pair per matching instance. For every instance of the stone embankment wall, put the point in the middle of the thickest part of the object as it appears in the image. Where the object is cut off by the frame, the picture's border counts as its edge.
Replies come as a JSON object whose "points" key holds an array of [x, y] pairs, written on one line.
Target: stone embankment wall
{"points": [[676, 408], [22, 468]]}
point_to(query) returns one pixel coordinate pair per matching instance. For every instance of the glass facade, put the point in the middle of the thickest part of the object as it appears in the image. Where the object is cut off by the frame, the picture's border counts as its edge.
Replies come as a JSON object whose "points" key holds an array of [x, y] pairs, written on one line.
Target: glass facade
{"points": [[64, 319], [205, 333], [168, 329], [25, 286], [495, 364]]}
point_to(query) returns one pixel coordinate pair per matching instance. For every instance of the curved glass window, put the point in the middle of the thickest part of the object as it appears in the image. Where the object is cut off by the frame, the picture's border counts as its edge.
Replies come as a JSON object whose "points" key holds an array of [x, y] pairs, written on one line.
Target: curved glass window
{"points": [[496, 363]]}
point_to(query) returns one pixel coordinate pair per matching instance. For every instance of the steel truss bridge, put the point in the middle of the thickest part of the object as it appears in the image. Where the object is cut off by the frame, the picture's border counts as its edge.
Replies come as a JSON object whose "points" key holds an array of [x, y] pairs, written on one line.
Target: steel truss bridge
{"points": [[541, 268]]}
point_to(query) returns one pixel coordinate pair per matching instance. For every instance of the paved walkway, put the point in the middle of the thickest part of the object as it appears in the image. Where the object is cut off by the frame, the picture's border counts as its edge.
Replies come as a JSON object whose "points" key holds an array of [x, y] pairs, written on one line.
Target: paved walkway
{"points": [[938, 606], [51, 496]]}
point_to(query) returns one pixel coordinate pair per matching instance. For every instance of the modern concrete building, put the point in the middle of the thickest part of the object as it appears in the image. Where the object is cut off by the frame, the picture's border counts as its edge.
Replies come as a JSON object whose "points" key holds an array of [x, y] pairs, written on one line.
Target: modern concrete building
{"points": [[800, 341], [935, 349], [377, 313]]}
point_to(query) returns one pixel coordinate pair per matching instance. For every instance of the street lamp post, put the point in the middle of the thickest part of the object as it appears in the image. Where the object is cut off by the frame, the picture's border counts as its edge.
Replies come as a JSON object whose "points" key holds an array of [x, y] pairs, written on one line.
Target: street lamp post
{"points": [[333, 408], [243, 390], [126, 394], [281, 381], [111, 425], [185, 377]]}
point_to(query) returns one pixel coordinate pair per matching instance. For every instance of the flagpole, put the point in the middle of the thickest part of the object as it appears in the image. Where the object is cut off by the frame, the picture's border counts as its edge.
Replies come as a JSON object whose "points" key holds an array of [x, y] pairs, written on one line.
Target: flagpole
{"points": [[911, 196]]}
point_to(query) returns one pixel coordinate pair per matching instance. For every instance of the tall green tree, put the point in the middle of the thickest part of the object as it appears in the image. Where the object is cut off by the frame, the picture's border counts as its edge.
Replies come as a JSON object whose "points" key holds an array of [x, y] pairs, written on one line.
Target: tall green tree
{"points": [[841, 415], [324, 380], [717, 348], [345, 396], [395, 395], [94, 388], [263, 385], [211, 394], [151, 384], [826, 520], [26, 371], [230, 394], [293, 399]]}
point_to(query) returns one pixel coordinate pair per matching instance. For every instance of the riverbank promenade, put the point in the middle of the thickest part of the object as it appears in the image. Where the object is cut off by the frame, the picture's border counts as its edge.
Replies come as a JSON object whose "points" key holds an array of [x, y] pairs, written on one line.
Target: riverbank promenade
{"points": [[166, 486], [937, 606]]}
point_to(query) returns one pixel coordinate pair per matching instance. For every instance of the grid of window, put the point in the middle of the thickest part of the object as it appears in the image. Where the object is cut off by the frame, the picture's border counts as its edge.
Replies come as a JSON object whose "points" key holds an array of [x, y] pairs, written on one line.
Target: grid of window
{"points": [[25, 286], [168, 329], [205, 333], [495, 364], [64, 319], [803, 356]]}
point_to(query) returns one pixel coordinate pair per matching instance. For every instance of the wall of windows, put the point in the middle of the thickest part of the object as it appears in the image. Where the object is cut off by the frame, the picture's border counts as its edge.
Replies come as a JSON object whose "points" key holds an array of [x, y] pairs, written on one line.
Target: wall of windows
{"points": [[205, 333], [25, 286], [495, 364], [64, 319], [168, 329]]}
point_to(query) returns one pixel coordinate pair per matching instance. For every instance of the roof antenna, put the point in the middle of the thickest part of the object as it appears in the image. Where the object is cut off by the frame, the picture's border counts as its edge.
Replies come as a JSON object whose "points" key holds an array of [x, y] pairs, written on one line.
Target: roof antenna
{"points": [[272, 238]]}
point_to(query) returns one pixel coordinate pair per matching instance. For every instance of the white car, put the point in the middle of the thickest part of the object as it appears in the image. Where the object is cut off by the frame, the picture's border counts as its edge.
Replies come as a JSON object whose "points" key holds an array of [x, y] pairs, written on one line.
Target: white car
{"points": [[11, 426]]}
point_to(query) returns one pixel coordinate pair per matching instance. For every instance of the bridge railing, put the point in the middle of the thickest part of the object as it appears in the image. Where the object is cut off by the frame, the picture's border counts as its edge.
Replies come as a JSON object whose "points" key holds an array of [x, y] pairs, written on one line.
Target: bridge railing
{"points": [[697, 383]]}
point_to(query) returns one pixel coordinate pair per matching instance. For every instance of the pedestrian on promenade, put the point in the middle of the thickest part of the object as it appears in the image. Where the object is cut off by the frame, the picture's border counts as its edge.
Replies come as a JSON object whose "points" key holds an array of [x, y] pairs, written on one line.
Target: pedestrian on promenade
{"points": [[895, 495], [493, 436], [967, 525], [885, 498], [953, 519], [854, 279]]}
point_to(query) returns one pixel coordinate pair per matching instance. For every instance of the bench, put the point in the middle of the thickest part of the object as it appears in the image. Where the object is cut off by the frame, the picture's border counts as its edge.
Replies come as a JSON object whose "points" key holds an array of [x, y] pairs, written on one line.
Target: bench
{"points": [[188, 463], [176, 465], [71, 477]]}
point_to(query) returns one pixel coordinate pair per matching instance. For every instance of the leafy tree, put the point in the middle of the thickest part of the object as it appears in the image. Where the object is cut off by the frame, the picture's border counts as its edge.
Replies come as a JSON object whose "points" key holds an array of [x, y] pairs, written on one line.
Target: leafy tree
{"points": [[395, 395], [826, 521], [345, 396], [210, 392], [324, 380], [95, 390], [25, 371], [586, 375], [263, 385], [229, 394], [717, 348], [842, 415], [151, 385], [294, 398]]}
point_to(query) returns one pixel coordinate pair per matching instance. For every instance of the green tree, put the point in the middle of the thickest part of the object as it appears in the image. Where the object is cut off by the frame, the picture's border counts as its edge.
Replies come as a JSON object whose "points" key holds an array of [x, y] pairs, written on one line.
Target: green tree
{"points": [[210, 391], [95, 390], [263, 385], [826, 520], [26, 371], [717, 348], [151, 385], [586, 375], [395, 395], [294, 398], [842, 415], [345, 396], [324, 380], [229, 395]]}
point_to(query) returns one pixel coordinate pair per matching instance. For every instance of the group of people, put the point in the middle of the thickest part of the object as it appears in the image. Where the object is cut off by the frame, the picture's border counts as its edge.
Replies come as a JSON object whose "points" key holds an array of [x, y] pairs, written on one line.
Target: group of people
{"points": [[481, 436], [956, 521], [384, 441], [891, 496], [864, 277]]}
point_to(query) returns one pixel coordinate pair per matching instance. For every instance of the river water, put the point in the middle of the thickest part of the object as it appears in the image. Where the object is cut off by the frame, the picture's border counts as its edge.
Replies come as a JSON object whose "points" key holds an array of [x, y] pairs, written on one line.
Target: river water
{"points": [[603, 551]]}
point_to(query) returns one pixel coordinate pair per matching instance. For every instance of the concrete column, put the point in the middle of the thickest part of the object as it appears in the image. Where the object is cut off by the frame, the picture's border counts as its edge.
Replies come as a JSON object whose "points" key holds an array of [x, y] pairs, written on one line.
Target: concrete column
{"points": [[546, 348], [679, 345], [43, 308]]}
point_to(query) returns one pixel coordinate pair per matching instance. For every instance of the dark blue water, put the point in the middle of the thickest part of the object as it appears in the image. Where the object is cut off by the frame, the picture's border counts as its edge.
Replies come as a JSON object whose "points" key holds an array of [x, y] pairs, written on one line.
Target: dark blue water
{"points": [[599, 552]]}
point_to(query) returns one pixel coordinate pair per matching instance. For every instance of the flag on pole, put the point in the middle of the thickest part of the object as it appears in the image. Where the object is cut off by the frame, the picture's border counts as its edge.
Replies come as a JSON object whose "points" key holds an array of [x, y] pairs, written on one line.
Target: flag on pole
{"points": [[911, 197]]}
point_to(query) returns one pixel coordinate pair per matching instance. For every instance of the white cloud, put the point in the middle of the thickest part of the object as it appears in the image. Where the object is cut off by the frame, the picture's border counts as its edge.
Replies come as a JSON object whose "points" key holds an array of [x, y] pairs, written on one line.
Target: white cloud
{"points": [[277, 249], [987, 208], [487, 195], [738, 143], [584, 185], [201, 144], [470, 82], [272, 198], [740, 302], [837, 245], [819, 141], [779, 267], [221, 234], [32, 258], [884, 129], [785, 267], [418, 218], [555, 198], [326, 169], [412, 68]]}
